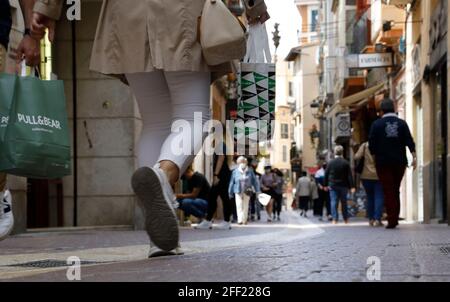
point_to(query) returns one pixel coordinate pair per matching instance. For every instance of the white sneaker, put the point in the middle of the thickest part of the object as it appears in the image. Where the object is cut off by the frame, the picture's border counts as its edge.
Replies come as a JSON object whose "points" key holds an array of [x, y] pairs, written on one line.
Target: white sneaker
{"points": [[156, 196], [204, 225], [168, 191], [6, 214], [157, 252], [223, 226]]}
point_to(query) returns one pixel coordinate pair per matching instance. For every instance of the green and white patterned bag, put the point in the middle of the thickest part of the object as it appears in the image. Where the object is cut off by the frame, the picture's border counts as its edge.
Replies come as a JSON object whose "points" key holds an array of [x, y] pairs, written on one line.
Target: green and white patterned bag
{"points": [[257, 86]]}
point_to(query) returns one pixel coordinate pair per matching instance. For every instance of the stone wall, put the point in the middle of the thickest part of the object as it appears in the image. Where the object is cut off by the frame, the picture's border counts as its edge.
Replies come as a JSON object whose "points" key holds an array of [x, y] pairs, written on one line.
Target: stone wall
{"points": [[107, 129]]}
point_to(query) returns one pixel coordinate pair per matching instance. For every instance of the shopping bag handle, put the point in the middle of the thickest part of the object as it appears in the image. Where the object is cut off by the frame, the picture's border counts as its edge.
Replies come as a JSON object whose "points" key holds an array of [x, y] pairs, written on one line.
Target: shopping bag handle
{"points": [[35, 72]]}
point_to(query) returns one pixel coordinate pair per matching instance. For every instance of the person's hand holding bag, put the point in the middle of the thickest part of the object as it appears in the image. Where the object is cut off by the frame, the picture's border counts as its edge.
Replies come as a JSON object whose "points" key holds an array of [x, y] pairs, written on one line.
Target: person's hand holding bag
{"points": [[39, 24], [29, 50], [256, 11]]}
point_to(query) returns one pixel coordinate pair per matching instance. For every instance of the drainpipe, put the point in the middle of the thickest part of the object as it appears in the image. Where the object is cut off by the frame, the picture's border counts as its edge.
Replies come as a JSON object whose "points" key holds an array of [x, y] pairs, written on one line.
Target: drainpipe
{"points": [[75, 128]]}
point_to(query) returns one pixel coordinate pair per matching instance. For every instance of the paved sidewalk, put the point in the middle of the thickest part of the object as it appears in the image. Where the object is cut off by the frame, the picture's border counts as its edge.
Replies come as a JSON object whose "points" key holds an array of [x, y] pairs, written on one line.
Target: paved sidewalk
{"points": [[295, 250]]}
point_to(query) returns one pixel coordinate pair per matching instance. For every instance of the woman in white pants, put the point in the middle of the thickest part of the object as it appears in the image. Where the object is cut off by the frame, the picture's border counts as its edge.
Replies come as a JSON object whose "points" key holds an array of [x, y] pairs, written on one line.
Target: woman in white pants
{"points": [[154, 47], [243, 184]]}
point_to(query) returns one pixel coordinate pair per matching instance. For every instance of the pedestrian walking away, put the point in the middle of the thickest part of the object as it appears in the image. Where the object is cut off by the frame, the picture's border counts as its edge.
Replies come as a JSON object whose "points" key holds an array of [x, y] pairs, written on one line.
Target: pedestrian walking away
{"points": [[324, 196], [389, 137], [303, 193], [372, 185], [339, 181]]}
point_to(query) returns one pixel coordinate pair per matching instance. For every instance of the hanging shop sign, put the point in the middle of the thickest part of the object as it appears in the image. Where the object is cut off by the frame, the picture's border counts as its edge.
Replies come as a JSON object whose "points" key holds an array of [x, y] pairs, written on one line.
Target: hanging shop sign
{"points": [[370, 60], [343, 126], [438, 33], [417, 67]]}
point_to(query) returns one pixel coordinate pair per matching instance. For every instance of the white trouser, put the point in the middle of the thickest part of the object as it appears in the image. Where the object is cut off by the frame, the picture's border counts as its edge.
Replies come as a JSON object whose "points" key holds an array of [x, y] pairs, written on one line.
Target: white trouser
{"points": [[242, 202], [164, 98]]}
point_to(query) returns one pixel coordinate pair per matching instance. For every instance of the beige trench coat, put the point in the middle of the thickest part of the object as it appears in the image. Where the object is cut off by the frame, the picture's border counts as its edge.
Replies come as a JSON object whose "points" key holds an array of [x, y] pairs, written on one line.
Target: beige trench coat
{"points": [[144, 35]]}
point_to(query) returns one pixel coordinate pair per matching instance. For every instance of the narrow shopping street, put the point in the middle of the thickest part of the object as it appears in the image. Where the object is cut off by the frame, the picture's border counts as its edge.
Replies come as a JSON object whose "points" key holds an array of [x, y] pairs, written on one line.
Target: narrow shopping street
{"points": [[296, 249]]}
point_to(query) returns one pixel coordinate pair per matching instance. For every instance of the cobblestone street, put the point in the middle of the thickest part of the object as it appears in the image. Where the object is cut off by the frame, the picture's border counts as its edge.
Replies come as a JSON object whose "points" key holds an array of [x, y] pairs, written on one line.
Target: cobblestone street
{"points": [[295, 250]]}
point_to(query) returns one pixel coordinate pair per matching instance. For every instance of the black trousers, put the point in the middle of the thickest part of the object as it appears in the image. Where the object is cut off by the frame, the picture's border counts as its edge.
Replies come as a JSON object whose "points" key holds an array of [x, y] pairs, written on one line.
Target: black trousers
{"points": [[318, 207], [304, 203], [221, 189], [278, 203], [324, 200]]}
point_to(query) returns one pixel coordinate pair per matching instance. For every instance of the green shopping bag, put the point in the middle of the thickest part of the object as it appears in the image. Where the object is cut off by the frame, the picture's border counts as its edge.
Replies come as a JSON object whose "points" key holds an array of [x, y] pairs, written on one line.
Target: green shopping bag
{"points": [[7, 84], [36, 141]]}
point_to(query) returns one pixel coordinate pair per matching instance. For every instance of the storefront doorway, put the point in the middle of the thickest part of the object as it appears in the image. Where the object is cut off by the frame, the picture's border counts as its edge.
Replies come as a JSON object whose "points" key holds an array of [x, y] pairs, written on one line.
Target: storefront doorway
{"points": [[440, 173], [45, 204]]}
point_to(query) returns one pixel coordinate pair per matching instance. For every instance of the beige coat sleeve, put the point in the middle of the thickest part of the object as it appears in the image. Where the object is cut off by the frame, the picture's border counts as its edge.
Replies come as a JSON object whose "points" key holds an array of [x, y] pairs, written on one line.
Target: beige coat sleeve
{"points": [[360, 153], [49, 8]]}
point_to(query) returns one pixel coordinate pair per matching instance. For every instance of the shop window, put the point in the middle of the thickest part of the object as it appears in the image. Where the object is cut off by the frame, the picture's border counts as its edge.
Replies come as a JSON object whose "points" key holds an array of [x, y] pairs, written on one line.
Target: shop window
{"points": [[285, 154], [285, 131], [314, 19]]}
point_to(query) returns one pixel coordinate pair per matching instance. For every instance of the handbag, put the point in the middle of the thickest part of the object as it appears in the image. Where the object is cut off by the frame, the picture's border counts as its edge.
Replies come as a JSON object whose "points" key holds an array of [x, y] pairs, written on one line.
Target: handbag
{"points": [[249, 191], [264, 199], [222, 35], [255, 8], [360, 163]]}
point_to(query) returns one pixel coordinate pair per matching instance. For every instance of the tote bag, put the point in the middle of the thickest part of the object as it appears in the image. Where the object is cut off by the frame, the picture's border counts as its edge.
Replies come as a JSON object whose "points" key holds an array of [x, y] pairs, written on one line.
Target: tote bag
{"points": [[35, 141], [7, 85], [257, 84]]}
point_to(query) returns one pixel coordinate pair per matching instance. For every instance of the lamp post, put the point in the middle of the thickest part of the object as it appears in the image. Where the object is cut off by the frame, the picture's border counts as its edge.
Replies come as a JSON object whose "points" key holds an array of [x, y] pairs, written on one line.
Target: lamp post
{"points": [[276, 38], [315, 109]]}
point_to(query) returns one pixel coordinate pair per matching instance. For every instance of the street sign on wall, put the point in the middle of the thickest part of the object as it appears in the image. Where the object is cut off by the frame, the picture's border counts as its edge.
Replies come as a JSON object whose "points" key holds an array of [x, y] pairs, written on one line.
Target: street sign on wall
{"points": [[370, 60], [343, 126]]}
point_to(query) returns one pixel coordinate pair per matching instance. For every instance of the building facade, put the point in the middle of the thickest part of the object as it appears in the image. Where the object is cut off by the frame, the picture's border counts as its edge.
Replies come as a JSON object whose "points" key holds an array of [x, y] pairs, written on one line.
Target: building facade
{"points": [[306, 82], [426, 107], [304, 62], [398, 49]]}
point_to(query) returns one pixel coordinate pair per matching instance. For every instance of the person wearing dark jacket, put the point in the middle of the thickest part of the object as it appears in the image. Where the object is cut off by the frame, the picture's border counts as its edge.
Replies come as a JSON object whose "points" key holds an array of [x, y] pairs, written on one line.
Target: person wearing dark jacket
{"points": [[388, 139], [6, 215], [338, 181], [29, 51]]}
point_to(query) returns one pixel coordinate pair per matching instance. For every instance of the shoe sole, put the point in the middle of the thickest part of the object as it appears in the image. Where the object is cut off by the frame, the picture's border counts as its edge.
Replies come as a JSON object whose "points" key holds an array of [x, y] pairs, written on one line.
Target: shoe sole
{"points": [[162, 254], [160, 220]]}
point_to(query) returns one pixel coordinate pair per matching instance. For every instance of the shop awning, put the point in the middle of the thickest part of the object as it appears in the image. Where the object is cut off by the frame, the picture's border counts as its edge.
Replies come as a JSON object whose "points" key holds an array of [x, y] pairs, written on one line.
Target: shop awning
{"points": [[357, 97]]}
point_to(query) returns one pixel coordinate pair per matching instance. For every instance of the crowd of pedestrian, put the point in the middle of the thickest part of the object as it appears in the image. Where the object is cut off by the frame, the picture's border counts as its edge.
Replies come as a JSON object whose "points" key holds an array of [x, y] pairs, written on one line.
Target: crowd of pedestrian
{"points": [[381, 164], [238, 187]]}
